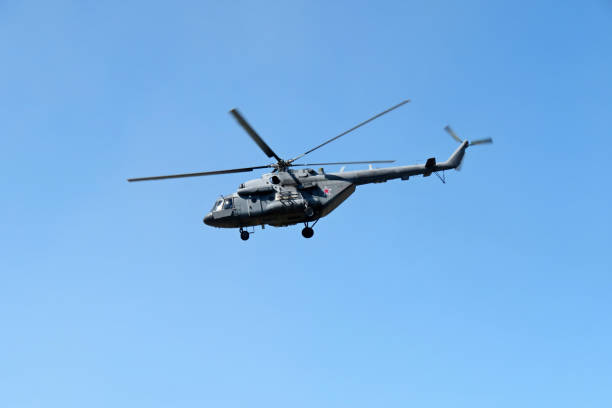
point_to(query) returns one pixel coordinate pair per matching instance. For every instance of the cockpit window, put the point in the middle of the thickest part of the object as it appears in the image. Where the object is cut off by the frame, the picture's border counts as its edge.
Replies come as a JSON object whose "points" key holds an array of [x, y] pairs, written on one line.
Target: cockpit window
{"points": [[217, 205], [228, 203]]}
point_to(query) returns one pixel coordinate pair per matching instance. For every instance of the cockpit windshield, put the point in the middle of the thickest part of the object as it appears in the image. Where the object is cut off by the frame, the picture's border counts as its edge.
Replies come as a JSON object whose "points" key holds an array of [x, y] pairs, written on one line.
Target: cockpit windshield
{"points": [[223, 204], [218, 205]]}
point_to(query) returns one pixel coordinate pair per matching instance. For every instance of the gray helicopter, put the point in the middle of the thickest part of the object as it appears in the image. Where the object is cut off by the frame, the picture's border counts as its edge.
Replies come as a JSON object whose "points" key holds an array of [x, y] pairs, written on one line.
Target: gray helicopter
{"points": [[288, 196]]}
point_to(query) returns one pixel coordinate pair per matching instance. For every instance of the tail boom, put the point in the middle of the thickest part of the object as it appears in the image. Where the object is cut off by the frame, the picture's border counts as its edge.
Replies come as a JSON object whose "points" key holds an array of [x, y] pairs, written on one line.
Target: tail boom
{"points": [[359, 177]]}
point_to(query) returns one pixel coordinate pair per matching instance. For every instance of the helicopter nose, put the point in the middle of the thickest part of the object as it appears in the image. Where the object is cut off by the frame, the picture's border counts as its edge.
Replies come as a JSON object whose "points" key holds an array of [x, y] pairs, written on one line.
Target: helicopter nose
{"points": [[208, 219]]}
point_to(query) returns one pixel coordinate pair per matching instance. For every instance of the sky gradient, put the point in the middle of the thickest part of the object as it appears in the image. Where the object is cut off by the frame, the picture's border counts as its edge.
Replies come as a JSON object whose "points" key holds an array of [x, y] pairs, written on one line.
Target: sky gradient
{"points": [[490, 290]]}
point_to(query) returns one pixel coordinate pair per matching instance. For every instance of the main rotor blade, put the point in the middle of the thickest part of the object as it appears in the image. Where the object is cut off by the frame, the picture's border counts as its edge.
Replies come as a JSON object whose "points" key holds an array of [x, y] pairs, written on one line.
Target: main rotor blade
{"points": [[453, 134], [350, 130], [481, 141], [256, 138], [351, 162], [205, 173]]}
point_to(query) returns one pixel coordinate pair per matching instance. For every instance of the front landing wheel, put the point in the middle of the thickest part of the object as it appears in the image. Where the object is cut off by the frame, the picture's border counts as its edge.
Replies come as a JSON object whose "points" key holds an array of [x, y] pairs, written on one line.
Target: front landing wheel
{"points": [[244, 235], [307, 232]]}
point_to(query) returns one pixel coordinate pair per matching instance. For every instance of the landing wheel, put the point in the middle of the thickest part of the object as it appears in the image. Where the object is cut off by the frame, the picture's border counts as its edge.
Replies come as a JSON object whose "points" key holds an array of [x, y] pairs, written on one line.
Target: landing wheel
{"points": [[307, 232], [244, 235]]}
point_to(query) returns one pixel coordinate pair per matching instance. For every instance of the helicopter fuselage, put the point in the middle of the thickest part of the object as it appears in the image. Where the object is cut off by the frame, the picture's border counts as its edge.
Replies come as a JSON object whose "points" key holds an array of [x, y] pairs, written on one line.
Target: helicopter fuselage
{"points": [[298, 196], [287, 196], [280, 199]]}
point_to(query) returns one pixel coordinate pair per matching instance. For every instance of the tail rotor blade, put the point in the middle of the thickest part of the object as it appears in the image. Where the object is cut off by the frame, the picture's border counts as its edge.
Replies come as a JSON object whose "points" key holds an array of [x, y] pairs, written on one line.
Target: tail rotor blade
{"points": [[453, 134], [481, 141]]}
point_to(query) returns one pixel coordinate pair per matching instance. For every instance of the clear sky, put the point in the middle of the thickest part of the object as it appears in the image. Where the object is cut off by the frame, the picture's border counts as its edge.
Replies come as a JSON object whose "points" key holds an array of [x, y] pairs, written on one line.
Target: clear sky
{"points": [[492, 290]]}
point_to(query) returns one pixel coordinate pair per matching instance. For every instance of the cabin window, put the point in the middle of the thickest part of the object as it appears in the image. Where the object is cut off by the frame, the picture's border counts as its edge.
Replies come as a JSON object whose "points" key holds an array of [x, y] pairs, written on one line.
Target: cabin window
{"points": [[228, 203]]}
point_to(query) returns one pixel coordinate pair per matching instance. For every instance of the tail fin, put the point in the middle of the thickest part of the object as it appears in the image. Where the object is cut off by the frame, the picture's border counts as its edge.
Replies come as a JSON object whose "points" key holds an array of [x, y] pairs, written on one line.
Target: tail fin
{"points": [[455, 159]]}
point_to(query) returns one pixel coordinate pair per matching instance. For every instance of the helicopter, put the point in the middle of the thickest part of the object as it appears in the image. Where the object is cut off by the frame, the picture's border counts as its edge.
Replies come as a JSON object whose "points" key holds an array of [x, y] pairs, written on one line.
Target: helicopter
{"points": [[287, 196]]}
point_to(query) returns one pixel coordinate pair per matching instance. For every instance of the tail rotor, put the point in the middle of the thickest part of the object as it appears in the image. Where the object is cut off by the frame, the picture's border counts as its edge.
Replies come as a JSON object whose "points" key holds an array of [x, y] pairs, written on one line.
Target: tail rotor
{"points": [[450, 131]]}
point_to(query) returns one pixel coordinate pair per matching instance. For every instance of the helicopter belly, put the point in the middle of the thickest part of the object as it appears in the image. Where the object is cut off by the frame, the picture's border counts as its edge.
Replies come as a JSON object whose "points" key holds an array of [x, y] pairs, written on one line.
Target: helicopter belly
{"points": [[286, 209]]}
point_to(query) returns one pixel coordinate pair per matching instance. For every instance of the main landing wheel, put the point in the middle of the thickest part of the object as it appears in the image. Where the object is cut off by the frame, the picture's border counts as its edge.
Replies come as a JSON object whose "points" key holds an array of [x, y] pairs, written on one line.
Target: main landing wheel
{"points": [[244, 235], [307, 232]]}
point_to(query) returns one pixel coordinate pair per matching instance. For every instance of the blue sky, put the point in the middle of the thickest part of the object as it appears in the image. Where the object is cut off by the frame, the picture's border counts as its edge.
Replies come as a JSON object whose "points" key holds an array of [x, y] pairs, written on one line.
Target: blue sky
{"points": [[490, 290]]}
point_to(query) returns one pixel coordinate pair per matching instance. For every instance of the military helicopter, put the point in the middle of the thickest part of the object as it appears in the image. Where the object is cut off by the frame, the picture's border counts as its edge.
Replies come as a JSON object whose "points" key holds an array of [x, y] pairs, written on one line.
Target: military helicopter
{"points": [[288, 196]]}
